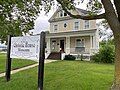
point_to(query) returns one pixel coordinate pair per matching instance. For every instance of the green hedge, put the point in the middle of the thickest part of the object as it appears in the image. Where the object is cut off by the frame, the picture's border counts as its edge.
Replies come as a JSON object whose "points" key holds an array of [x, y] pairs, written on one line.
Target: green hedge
{"points": [[69, 57], [106, 54]]}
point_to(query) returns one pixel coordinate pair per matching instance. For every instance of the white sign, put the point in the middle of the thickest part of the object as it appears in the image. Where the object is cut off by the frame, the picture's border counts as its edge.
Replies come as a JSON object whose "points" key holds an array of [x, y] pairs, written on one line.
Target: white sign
{"points": [[26, 47]]}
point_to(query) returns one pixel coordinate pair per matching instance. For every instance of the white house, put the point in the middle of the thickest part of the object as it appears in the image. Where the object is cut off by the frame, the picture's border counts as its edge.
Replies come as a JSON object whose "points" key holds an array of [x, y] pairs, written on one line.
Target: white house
{"points": [[71, 36]]}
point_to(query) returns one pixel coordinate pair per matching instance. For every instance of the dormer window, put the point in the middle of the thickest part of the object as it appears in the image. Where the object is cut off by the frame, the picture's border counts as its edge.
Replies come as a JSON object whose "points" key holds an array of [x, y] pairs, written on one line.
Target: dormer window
{"points": [[62, 13], [65, 14], [86, 24]]}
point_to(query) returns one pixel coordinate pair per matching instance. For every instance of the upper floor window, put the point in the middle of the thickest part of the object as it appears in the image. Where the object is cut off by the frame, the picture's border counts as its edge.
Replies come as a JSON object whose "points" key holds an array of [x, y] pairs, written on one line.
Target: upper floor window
{"points": [[76, 25], [62, 13], [86, 24], [65, 14], [79, 42], [55, 27]]}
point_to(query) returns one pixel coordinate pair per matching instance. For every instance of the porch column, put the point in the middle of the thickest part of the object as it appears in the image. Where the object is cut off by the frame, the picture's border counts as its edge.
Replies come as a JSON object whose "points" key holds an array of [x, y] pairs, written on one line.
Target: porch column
{"points": [[93, 44], [48, 45], [67, 45], [91, 41]]}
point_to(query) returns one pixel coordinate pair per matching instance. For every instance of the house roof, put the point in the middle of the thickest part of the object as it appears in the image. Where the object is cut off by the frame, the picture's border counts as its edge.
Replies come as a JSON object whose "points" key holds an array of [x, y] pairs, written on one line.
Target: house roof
{"points": [[82, 11], [78, 10]]}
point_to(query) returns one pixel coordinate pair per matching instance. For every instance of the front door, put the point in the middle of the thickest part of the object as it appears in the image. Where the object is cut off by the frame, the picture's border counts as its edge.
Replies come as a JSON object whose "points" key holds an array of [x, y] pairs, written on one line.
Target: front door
{"points": [[61, 45]]}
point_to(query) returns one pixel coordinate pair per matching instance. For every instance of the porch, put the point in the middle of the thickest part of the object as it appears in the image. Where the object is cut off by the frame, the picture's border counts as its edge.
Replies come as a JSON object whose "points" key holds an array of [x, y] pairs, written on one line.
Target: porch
{"points": [[72, 43]]}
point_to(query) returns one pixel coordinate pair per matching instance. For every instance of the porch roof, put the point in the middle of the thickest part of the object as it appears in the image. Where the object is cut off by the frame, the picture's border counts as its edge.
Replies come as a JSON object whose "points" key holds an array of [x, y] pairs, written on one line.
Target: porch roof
{"points": [[72, 33]]}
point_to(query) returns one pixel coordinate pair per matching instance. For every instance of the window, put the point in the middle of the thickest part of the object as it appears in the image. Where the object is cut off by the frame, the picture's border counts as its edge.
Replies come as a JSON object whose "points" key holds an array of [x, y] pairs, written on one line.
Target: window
{"points": [[76, 26], [65, 25], [55, 27], [86, 24], [62, 13], [65, 14], [79, 42]]}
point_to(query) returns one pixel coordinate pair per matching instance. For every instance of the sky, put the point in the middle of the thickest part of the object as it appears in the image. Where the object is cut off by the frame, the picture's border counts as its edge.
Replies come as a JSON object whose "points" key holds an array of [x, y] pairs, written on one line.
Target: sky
{"points": [[41, 23]]}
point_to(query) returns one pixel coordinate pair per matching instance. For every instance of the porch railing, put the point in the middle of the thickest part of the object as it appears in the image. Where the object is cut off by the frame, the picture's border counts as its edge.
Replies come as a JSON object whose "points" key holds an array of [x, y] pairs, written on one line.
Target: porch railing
{"points": [[80, 50]]}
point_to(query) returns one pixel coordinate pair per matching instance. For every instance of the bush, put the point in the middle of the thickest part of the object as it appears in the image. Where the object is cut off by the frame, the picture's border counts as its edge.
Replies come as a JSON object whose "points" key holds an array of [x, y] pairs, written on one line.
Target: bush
{"points": [[106, 54], [96, 58], [69, 57]]}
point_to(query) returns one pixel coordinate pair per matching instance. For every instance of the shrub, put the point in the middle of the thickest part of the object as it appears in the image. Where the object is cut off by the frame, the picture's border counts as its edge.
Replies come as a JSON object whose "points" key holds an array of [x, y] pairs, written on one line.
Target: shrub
{"points": [[69, 57], [96, 58], [106, 54]]}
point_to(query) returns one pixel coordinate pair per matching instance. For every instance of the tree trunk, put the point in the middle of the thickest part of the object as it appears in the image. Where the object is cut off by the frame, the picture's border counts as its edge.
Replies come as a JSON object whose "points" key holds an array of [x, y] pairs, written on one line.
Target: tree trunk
{"points": [[112, 19], [116, 83]]}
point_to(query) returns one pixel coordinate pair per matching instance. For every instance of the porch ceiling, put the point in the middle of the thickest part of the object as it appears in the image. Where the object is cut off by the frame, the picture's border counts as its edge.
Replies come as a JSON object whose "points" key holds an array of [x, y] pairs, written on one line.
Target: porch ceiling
{"points": [[72, 33]]}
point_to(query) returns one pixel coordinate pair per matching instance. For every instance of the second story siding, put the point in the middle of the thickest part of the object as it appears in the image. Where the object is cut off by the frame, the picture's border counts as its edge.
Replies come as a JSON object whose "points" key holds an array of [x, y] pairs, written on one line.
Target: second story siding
{"points": [[71, 25], [61, 22]]}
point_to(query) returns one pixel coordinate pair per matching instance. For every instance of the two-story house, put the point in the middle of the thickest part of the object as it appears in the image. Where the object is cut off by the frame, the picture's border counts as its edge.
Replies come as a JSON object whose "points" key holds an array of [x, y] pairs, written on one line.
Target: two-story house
{"points": [[71, 36]]}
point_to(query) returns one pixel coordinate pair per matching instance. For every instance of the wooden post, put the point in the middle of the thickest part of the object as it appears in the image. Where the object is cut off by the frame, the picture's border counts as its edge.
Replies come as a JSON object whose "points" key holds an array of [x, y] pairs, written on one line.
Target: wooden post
{"points": [[41, 61], [8, 61]]}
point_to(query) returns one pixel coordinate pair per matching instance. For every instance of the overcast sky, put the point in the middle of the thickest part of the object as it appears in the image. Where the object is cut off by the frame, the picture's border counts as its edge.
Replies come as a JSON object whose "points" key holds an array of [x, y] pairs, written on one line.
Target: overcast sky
{"points": [[41, 23]]}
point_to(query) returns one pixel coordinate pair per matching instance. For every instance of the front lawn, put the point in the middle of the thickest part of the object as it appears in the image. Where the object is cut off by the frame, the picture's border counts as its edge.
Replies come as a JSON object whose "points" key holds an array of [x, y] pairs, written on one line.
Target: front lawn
{"points": [[16, 63], [64, 75]]}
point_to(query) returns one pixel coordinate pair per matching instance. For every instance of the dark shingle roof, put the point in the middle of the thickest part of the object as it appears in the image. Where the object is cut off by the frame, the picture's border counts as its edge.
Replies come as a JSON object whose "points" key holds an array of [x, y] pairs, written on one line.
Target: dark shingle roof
{"points": [[82, 11], [68, 17]]}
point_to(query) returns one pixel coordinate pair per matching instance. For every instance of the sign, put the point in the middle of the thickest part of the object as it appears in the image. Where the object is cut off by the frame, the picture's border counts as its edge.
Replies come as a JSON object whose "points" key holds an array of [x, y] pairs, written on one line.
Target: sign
{"points": [[25, 47]]}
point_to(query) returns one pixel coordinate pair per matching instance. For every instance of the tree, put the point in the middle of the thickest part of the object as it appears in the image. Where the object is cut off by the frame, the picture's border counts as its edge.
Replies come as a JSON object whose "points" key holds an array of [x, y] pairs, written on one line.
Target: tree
{"points": [[105, 32], [112, 16], [17, 16]]}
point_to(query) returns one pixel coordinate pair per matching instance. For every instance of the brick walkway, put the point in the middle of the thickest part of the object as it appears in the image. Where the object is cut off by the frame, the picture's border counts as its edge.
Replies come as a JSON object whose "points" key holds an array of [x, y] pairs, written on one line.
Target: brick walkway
{"points": [[25, 68]]}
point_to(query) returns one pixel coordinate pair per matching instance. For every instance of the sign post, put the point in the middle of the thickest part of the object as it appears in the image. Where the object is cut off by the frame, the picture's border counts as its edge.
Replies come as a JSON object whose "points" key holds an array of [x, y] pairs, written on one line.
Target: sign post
{"points": [[41, 61], [27, 47], [8, 61]]}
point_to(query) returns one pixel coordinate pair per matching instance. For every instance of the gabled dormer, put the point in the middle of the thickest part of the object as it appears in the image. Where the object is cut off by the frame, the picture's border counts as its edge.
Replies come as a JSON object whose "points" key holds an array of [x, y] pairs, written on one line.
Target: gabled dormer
{"points": [[61, 15], [62, 22]]}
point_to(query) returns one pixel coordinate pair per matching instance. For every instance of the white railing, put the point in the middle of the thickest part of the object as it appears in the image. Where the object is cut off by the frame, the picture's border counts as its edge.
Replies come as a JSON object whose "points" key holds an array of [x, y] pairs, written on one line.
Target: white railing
{"points": [[74, 51]]}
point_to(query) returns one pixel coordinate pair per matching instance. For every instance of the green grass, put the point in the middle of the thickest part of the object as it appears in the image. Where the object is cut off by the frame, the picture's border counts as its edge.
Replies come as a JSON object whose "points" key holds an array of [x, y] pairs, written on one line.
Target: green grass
{"points": [[16, 63], [64, 75]]}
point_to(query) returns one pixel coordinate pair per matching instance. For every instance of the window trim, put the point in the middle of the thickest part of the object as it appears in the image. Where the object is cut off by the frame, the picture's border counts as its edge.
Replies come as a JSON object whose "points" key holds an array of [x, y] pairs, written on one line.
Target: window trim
{"points": [[62, 14], [80, 39], [86, 24], [54, 27], [64, 25], [75, 25]]}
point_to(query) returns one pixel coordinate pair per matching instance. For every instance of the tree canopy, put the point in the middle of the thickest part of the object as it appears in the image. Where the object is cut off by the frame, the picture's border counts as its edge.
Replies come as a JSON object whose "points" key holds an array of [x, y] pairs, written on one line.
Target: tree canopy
{"points": [[17, 16]]}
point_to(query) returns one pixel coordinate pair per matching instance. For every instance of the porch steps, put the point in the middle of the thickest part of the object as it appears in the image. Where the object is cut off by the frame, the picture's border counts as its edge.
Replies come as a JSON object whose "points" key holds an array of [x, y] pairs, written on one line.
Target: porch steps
{"points": [[55, 56]]}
